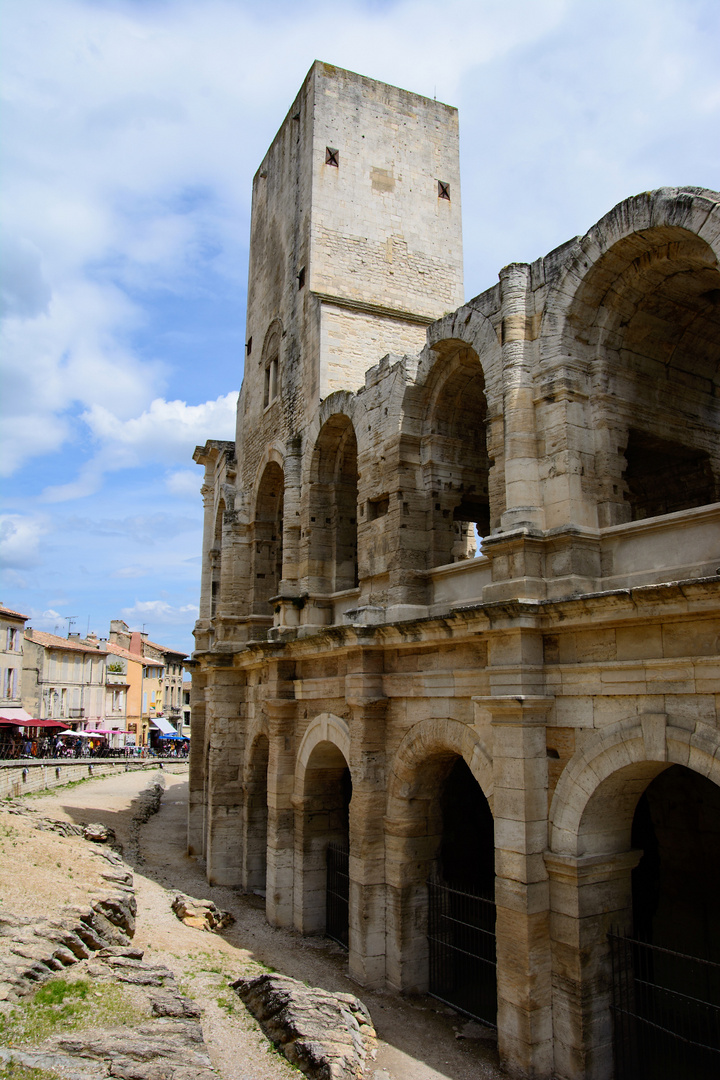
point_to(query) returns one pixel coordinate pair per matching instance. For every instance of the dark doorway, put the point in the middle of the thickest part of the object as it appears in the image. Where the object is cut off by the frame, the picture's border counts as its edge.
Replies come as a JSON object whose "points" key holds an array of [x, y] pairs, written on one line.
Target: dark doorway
{"points": [[666, 976], [337, 893], [461, 901]]}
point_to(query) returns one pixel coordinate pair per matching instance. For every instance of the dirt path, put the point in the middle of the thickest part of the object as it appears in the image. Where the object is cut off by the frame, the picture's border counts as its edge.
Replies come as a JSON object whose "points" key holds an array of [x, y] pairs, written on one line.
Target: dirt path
{"points": [[418, 1040]]}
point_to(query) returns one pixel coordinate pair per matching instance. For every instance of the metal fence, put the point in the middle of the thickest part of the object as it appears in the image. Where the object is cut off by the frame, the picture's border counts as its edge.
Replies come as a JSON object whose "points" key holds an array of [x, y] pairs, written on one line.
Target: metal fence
{"points": [[337, 893], [461, 940], [666, 1013]]}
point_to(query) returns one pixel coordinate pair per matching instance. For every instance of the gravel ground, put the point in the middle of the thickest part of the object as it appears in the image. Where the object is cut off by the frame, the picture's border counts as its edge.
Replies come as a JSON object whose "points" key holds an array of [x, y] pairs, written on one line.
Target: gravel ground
{"points": [[418, 1039]]}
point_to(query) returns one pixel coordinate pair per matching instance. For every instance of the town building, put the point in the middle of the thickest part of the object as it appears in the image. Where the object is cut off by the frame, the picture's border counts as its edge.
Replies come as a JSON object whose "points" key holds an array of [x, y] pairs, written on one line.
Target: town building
{"points": [[12, 628], [64, 679], [456, 681], [157, 702]]}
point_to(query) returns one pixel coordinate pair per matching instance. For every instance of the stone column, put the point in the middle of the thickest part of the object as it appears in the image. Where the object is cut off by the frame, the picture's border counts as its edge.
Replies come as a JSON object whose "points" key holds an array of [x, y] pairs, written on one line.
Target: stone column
{"points": [[225, 705], [522, 484], [280, 824], [521, 887], [196, 764], [367, 810], [589, 895]]}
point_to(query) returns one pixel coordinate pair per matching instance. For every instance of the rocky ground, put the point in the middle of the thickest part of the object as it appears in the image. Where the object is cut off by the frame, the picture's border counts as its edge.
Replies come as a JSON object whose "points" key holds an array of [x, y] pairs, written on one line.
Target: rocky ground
{"points": [[158, 1005]]}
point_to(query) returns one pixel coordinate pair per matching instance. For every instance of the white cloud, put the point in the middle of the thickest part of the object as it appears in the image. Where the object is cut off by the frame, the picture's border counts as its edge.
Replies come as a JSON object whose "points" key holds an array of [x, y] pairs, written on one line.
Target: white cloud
{"points": [[164, 434], [20, 540], [158, 611], [185, 482]]}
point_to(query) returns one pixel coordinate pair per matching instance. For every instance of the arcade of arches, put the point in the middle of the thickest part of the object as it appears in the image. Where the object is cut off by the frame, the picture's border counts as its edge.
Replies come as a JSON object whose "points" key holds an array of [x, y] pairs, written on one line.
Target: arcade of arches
{"points": [[490, 769]]}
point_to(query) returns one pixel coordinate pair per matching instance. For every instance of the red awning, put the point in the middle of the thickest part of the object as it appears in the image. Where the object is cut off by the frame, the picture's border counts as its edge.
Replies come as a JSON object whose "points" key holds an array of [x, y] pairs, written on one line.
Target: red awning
{"points": [[18, 721]]}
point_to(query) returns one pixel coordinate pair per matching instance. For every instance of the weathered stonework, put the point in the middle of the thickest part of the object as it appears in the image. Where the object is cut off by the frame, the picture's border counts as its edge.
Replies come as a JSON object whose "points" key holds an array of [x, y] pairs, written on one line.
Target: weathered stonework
{"points": [[353, 650]]}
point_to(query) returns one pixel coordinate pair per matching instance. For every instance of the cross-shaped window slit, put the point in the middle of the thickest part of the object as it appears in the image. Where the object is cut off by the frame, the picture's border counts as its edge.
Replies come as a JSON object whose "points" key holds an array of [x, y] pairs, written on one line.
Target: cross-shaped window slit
{"points": [[443, 190], [332, 157]]}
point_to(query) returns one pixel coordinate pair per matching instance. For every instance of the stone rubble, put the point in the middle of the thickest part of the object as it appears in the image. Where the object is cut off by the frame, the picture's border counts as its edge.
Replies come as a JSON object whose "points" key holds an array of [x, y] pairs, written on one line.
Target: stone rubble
{"points": [[328, 1036], [202, 914]]}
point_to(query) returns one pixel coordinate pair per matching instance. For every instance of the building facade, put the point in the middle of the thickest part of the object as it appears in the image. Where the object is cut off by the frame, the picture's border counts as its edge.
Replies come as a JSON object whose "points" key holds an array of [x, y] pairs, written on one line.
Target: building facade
{"points": [[460, 611], [64, 679], [12, 629]]}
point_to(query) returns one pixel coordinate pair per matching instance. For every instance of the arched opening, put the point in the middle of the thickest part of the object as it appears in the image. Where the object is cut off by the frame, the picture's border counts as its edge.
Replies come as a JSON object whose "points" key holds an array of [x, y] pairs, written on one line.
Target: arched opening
{"points": [[268, 538], [325, 827], [216, 562], [647, 317], [442, 908], [333, 555], [645, 977], [455, 460], [667, 999], [256, 817]]}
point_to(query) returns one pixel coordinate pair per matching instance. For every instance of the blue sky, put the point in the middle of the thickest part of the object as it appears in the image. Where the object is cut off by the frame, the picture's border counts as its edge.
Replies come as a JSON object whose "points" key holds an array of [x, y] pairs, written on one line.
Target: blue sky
{"points": [[132, 129]]}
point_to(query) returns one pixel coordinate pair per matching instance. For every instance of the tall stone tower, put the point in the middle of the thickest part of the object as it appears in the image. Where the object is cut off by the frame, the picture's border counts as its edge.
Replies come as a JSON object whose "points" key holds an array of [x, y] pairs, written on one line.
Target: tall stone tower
{"points": [[355, 246]]}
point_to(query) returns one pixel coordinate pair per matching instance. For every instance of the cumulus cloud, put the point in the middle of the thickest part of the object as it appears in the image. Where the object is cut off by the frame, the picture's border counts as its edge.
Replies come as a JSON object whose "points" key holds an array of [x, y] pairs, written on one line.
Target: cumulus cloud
{"points": [[185, 482], [164, 434], [20, 540], [159, 611]]}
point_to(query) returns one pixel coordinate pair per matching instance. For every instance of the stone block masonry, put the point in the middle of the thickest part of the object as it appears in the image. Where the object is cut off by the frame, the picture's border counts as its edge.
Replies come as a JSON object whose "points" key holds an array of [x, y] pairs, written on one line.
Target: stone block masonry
{"points": [[461, 600]]}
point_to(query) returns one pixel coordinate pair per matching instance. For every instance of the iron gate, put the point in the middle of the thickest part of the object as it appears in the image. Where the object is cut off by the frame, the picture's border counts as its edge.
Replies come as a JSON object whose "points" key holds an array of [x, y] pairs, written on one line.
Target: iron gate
{"points": [[337, 893], [666, 1013], [461, 940]]}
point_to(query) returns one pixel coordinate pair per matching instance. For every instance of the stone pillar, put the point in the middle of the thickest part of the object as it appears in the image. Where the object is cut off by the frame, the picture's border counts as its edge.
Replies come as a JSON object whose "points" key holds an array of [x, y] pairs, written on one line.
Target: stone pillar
{"points": [[589, 895], [208, 497], [521, 887], [522, 484], [196, 764], [225, 705], [280, 824], [367, 810]]}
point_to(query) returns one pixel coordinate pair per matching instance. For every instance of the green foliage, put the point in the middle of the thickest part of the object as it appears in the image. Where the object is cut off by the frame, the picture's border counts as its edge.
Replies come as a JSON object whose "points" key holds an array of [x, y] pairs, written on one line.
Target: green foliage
{"points": [[13, 1071]]}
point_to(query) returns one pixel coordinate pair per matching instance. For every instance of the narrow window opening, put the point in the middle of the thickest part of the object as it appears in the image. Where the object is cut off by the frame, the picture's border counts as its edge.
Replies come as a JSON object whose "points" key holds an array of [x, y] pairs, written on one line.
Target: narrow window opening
{"points": [[443, 190], [301, 278], [248, 346], [332, 156]]}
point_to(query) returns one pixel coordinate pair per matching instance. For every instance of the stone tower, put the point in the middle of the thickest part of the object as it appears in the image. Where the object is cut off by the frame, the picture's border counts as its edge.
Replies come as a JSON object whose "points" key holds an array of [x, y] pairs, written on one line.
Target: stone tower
{"points": [[356, 242]]}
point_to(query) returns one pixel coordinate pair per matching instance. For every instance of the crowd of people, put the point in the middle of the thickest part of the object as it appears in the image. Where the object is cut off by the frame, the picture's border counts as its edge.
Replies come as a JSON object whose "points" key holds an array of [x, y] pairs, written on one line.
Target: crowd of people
{"points": [[17, 745]]}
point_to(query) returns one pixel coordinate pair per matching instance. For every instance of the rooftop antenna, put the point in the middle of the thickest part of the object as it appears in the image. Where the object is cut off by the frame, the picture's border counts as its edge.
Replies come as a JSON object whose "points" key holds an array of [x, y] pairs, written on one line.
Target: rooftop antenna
{"points": [[70, 619]]}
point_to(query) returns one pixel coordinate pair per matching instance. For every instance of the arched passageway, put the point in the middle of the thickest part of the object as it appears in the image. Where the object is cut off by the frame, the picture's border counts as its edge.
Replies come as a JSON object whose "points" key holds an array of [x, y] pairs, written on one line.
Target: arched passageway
{"points": [[333, 531], [215, 556], [323, 826], [268, 538], [638, 904], [455, 459], [666, 974], [256, 817], [440, 858], [647, 320]]}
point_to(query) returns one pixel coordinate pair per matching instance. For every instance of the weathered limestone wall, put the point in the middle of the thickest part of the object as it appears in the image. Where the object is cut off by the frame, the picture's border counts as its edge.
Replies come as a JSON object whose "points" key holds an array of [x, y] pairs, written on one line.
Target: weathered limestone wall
{"points": [[566, 423]]}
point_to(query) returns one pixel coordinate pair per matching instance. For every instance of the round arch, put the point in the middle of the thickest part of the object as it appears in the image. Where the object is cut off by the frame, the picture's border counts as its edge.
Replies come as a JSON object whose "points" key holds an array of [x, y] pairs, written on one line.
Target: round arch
{"points": [[323, 791], [587, 810], [413, 835], [326, 728], [634, 317], [592, 859]]}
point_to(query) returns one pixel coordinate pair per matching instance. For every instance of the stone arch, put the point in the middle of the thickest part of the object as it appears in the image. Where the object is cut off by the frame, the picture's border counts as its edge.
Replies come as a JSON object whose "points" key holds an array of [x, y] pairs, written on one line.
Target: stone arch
{"points": [[590, 864], [413, 829], [454, 454], [332, 531], [267, 534], [635, 313], [629, 753], [323, 790], [270, 362], [215, 555], [256, 810], [324, 728]]}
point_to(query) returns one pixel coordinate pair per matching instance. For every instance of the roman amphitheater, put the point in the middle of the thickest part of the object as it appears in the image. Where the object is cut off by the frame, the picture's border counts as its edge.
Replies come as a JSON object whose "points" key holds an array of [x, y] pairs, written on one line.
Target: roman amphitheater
{"points": [[456, 683]]}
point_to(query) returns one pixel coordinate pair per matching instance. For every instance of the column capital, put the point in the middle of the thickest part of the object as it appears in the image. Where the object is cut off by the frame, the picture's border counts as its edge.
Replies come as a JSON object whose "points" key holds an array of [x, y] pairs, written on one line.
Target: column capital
{"points": [[523, 709], [588, 869]]}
